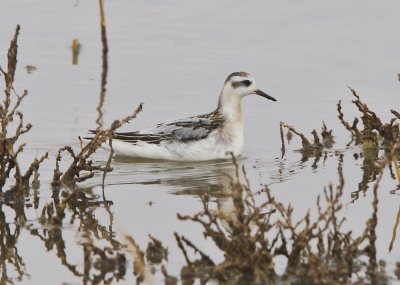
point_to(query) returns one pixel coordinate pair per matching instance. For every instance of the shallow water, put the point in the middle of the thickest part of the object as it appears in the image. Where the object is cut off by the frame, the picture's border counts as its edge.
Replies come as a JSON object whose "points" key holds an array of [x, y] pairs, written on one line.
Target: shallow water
{"points": [[174, 57]]}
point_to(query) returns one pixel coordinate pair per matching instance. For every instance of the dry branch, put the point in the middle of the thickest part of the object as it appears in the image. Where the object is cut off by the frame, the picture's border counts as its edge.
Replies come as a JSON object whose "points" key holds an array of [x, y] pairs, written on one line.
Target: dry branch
{"points": [[9, 114], [373, 128], [81, 167], [397, 114]]}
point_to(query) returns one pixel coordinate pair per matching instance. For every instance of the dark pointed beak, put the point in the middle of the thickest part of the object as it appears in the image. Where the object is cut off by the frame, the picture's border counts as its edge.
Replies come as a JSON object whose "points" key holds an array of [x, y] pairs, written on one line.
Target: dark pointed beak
{"points": [[265, 95]]}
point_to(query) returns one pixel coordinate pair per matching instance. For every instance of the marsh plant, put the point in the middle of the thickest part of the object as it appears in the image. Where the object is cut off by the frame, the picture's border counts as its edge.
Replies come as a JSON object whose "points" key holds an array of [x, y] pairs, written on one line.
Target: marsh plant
{"points": [[317, 248], [13, 128], [102, 265], [373, 132]]}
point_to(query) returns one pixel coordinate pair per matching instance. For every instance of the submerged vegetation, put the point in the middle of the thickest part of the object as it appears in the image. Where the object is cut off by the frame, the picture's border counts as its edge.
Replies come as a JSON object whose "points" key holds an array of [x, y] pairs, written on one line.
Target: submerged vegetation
{"points": [[317, 249]]}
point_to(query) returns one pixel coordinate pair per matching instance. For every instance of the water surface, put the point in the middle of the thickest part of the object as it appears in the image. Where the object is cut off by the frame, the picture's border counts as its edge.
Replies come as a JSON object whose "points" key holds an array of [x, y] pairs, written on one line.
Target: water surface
{"points": [[174, 57]]}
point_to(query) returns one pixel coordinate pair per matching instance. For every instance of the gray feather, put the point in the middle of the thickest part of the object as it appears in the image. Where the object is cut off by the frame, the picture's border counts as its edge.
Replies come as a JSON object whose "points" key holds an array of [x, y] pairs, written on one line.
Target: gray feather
{"points": [[186, 130]]}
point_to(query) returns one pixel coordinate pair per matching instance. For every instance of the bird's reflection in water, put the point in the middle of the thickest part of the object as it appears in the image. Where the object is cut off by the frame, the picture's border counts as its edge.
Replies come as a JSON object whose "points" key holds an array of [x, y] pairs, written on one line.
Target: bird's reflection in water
{"points": [[183, 177], [213, 178]]}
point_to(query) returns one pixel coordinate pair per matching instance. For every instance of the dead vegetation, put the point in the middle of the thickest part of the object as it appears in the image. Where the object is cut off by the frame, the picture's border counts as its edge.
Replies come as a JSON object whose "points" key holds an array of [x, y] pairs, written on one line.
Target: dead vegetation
{"points": [[82, 168], [379, 142], [373, 131], [310, 149], [155, 252], [11, 174], [373, 134], [317, 248], [76, 49], [13, 127], [316, 148], [101, 265]]}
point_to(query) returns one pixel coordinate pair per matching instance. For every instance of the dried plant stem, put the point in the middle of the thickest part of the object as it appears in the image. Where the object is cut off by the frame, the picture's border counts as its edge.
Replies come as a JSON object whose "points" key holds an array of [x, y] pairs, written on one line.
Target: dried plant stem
{"points": [[139, 260], [8, 114], [81, 160], [108, 168], [182, 248], [352, 129], [12, 65], [76, 48], [396, 163], [103, 27], [305, 142], [373, 130], [169, 280], [139, 263], [371, 230], [394, 234], [104, 70], [204, 256], [283, 150], [397, 114]]}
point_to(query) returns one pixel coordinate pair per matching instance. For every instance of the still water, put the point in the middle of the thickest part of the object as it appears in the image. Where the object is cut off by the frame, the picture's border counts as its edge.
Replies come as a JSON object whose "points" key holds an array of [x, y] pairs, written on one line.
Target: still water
{"points": [[174, 56]]}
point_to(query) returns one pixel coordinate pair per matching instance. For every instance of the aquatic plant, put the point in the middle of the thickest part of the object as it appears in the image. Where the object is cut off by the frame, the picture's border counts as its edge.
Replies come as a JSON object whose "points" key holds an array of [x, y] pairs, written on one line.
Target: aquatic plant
{"points": [[319, 146], [373, 130], [317, 248], [373, 136], [13, 127], [309, 149], [81, 167]]}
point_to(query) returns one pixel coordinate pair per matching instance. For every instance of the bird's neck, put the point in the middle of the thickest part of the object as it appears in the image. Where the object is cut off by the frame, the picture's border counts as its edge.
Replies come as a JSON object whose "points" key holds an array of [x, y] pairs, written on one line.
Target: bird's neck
{"points": [[230, 107]]}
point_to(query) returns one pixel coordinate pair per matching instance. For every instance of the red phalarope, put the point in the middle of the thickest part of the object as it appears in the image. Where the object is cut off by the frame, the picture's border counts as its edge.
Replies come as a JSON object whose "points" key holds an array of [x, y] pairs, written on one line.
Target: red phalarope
{"points": [[205, 137]]}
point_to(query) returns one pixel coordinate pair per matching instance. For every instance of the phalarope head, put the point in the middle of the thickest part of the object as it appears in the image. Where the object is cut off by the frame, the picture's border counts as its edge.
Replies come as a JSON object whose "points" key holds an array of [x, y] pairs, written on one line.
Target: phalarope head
{"points": [[237, 85], [241, 84]]}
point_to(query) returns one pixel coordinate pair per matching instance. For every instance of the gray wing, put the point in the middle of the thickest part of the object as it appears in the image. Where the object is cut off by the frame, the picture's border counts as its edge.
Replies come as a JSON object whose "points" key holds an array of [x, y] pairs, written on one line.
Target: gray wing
{"points": [[186, 130]]}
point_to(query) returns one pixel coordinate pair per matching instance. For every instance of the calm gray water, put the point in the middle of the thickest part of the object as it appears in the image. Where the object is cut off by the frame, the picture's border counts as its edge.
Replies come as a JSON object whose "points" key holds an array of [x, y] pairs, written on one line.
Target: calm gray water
{"points": [[174, 56]]}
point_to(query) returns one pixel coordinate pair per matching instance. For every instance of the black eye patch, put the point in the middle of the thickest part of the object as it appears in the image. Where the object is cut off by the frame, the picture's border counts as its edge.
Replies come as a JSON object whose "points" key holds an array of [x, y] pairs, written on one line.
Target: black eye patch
{"points": [[246, 83], [237, 84]]}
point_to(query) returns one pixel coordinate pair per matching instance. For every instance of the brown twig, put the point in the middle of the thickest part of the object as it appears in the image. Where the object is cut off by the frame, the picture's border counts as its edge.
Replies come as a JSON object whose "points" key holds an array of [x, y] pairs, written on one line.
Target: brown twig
{"points": [[352, 129], [304, 141], [394, 233], [9, 113], [104, 70], [81, 163], [283, 150], [182, 248], [139, 263], [397, 114]]}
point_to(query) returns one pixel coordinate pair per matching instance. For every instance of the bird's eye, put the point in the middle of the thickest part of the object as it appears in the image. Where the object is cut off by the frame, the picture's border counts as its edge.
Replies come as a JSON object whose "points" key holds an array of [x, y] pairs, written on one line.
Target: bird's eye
{"points": [[237, 84], [246, 83]]}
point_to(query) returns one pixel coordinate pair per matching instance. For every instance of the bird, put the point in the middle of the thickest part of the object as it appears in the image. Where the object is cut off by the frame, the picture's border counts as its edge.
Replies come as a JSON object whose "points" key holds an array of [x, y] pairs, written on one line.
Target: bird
{"points": [[215, 135]]}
